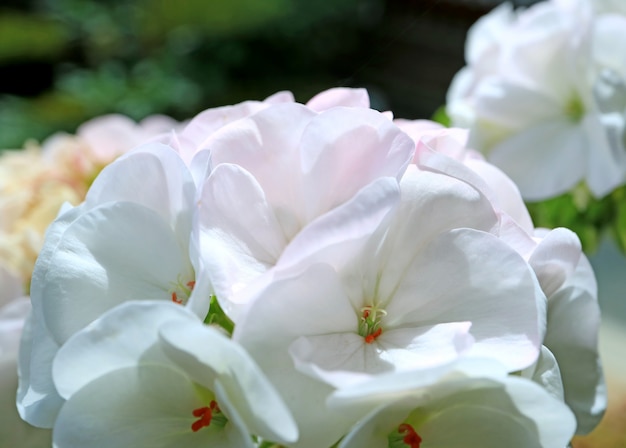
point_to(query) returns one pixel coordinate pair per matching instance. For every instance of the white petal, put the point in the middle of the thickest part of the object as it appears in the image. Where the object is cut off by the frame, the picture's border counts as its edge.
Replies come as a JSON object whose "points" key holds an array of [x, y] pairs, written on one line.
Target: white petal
{"points": [[342, 150], [110, 254], [343, 359], [220, 360], [239, 233], [154, 176], [555, 259], [470, 276], [122, 337], [534, 158], [148, 406], [38, 401], [337, 235], [339, 96], [572, 336]]}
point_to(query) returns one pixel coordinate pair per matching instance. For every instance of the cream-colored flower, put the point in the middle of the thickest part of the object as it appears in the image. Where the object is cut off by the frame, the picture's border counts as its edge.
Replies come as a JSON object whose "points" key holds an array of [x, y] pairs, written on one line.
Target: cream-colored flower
{"points": [[36, 181]]}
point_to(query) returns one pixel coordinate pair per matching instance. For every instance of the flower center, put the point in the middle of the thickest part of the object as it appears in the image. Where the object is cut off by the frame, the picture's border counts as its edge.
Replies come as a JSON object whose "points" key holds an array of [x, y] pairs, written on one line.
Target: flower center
{"points": [[207, 415], [575, 109], [370, 323], [404, 436], [181, 290]]}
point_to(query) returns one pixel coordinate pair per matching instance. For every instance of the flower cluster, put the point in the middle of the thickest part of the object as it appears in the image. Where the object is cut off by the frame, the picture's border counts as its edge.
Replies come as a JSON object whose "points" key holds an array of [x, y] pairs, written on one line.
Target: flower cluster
{"points": [[544, 93], [309, 275]]}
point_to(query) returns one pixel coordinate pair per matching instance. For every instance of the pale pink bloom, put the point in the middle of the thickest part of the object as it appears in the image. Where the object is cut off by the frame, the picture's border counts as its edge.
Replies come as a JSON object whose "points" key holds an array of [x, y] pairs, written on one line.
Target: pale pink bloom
{"points": [[195, 136], [289, 183]]}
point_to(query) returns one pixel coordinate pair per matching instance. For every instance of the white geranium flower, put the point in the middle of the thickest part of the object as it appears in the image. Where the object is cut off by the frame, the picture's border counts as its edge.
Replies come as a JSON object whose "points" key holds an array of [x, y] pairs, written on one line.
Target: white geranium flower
{"points": [[289, 183], [457, 409], [422, 292], [151, 374], [544, 97], [565, 276], [132, 238]]}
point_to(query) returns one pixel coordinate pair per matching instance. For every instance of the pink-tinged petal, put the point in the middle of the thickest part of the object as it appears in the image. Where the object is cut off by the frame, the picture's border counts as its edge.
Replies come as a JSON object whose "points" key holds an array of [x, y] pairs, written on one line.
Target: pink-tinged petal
{"points": [[150, 405], [283, 96], [266, 145], [119, 338], [537, 171], [516, 237], [113, 253], [239, 235], [453, 280], [219, 360], [336, 236], [203, 125], [572, 336], [339, 96], [343, 150], [431, 160], [153, 176], [555, 259]]}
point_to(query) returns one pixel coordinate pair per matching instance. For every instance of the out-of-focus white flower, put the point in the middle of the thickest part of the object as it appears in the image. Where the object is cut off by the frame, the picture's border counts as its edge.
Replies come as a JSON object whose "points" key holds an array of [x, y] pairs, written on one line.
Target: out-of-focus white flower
{"points": [[151, 374], [544, 96]]}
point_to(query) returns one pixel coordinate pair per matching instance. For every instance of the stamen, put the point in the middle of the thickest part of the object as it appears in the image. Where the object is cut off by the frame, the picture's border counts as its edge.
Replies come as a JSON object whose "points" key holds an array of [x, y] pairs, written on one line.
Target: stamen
{"points": [[175, 298], [370, 323], [411, 438], [205, 415], [372, 337], [180, 291]]}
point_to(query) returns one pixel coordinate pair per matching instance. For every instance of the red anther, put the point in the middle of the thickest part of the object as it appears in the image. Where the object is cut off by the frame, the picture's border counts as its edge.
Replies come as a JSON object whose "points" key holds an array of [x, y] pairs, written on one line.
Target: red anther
{"points": [[412, 439], [205, 414], [175, 299], [366, 314], [191, 284], [214, 406], [372, 337]]}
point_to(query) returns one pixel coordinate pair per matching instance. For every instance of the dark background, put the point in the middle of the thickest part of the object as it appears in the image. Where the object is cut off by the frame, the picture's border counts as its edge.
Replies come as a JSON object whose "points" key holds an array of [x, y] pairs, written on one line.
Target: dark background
{"points": [[65, 61]]}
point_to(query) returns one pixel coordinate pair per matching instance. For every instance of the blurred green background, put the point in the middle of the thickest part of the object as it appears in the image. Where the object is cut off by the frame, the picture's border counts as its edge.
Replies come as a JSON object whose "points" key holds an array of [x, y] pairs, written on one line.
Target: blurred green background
{"points": [[65, 61]]}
